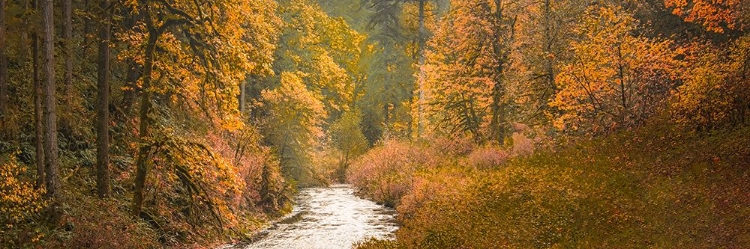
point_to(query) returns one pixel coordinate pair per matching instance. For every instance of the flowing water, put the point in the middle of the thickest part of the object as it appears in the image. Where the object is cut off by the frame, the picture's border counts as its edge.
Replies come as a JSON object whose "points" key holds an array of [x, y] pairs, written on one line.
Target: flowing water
{"points": [[330, 218]]}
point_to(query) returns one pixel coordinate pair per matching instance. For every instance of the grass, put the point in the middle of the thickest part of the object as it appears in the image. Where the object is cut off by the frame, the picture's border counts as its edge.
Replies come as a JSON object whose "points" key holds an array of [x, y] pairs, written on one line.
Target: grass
{"points": [[656, 187]]}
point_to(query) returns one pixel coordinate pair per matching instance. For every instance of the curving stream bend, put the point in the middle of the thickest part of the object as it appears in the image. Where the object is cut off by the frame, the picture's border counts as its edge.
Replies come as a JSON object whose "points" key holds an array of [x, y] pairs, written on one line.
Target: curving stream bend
{"points": [[330, 218]]}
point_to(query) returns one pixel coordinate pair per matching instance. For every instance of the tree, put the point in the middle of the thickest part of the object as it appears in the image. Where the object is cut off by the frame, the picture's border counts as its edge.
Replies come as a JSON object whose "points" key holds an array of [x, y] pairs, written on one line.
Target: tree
{"points": [[3, 69], [52, 168], [464, 70], [718, 16], [544, 29], [102, 131], [296, 114], [145, 112], [617, 79], [325, 50], [68, 48], [418, 21], [347, 138], [389, 17], [398, 32], [38, 85], [504, 30], [714, 93], [323, 54], [387, 86], [203, 55]]}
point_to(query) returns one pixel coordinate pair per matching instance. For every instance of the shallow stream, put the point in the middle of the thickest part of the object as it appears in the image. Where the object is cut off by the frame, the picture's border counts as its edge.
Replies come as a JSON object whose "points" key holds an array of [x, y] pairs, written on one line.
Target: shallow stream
{"points": [[329, 218]]}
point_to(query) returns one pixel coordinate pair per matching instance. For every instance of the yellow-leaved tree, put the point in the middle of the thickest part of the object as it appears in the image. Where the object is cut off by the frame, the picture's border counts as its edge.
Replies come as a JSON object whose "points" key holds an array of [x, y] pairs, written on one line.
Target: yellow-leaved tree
{"points": [[194, 55], [324, 50], [616, 79], [463, 73], [296, 114], [715, 89], [317, 67]]}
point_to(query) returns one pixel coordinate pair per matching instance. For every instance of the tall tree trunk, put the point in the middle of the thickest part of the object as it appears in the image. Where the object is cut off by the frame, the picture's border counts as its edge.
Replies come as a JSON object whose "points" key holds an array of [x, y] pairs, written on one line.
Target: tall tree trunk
{"points": [[23, 41], [498, 122], [50, 118], [3, 71], [38, 118], [549, 43], [102, 134], [68, 49], [420, 80], [145, 112]]}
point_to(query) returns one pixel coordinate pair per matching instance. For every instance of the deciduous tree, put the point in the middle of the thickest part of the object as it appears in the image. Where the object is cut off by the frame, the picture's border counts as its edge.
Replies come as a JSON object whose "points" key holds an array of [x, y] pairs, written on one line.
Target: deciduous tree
{"points": [[464, 79], [203, 54], [616, 79], [715, 89], [715, 15], [296, 114]]}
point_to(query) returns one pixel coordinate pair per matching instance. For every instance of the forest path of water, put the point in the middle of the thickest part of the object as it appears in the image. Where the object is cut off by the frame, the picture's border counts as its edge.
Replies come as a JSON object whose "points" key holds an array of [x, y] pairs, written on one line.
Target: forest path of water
{"points": [[330, 218]]}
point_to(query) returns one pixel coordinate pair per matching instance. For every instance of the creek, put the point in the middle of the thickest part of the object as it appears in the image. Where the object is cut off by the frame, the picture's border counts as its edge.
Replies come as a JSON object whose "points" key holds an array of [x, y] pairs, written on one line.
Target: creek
{"points": [[329, 218]]}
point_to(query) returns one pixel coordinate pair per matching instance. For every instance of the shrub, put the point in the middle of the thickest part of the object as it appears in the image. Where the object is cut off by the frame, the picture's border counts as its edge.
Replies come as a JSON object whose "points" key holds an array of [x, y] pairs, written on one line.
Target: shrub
{"points": [[102, 223], [428, 186], [486, 157], [384, 174], [19, 203]]}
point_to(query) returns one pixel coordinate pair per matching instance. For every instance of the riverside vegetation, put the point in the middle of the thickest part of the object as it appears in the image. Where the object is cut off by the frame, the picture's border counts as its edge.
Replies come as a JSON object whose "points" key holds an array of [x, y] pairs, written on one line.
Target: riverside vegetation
{"points": [[653, 187]]}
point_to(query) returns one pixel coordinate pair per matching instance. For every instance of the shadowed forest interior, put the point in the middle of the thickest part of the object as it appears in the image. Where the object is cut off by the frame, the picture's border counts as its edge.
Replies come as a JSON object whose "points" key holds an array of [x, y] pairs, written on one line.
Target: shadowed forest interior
{"points": [[484, 123]]}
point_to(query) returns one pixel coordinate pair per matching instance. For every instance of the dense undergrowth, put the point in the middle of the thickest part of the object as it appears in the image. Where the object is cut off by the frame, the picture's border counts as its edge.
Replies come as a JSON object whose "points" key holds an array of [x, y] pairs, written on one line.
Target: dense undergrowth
{"points": [[202, 191], [652, 187]]}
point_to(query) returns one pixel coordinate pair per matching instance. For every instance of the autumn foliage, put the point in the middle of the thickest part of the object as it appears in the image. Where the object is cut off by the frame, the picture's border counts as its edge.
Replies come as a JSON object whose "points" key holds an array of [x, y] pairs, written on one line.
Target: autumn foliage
{"points": [[632, 190], [19, 203], [485, 123], [385, 173], [628, 117], [185, 164], [715, 86], [716, 16], [617, 80]]}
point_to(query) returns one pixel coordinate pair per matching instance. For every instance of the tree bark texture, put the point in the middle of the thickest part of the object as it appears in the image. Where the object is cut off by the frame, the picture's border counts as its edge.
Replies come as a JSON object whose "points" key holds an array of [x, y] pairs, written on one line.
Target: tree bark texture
{"points": [[102, 134], [50, 113]]}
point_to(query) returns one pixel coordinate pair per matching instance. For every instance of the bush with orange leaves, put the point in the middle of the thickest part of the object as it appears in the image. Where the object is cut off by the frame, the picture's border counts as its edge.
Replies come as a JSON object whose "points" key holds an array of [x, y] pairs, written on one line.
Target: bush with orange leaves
{"points": [[385, 173], [486, 157], [427, 187]]}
